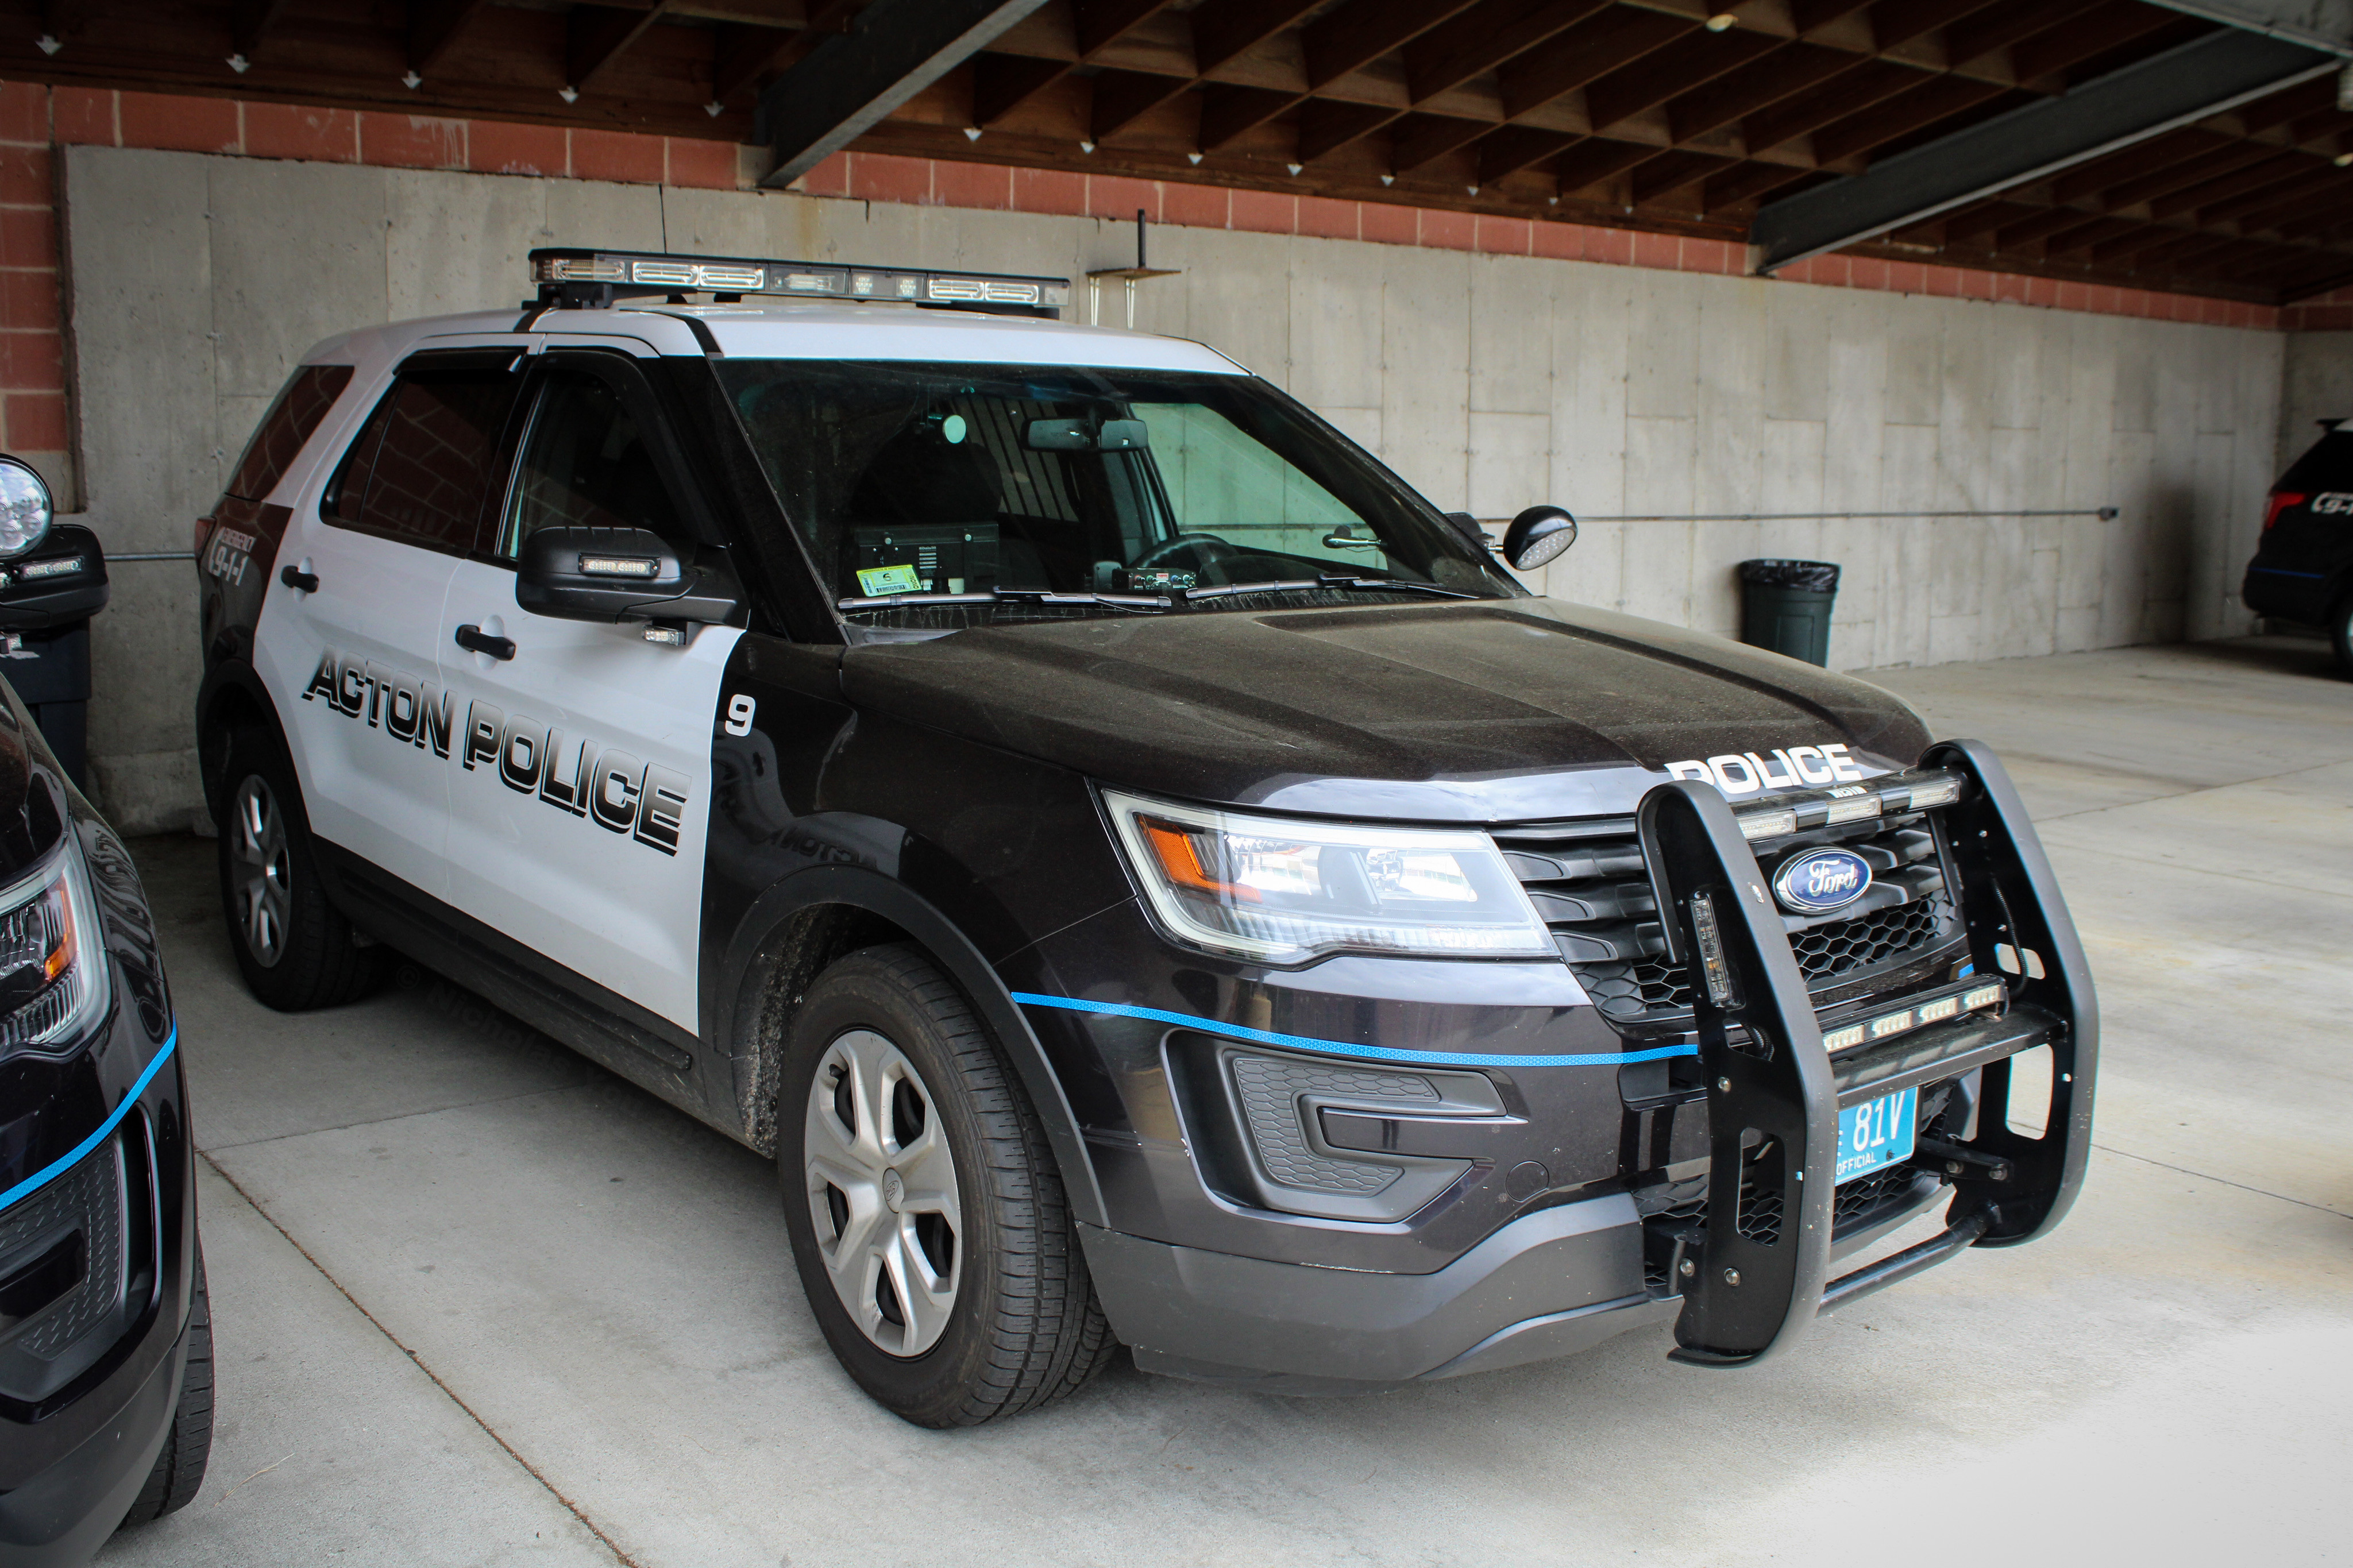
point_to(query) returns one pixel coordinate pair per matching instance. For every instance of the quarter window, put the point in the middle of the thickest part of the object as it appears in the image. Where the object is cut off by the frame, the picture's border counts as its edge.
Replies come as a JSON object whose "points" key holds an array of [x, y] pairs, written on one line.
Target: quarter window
{"points": [[587, 465], [278, 441]]}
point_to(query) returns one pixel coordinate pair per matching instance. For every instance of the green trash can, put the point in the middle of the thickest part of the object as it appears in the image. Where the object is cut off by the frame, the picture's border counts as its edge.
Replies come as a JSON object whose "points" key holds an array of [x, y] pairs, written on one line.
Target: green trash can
{"points": [[1785, 605]]}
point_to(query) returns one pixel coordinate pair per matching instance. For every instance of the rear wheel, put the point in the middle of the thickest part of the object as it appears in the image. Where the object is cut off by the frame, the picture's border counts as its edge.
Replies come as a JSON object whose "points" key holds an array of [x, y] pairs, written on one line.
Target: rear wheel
{"points": [[294, 947], [187, 1448], [926, 1214]]}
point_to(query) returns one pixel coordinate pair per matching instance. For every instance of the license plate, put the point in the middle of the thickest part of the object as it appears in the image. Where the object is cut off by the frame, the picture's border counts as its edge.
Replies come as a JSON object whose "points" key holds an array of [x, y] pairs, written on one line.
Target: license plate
{"points": [[1877, 1132]]}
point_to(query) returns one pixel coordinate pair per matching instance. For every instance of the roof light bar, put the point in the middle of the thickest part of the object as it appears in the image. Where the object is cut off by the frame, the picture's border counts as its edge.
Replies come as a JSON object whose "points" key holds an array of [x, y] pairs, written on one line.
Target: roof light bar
{"points": [[1890, 795], [581, 278]]}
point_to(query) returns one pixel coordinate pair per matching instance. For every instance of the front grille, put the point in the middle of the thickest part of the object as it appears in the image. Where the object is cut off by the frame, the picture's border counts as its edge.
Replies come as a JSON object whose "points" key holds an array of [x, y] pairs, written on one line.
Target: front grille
{"points": [[50, 1310], [1591, 884]]}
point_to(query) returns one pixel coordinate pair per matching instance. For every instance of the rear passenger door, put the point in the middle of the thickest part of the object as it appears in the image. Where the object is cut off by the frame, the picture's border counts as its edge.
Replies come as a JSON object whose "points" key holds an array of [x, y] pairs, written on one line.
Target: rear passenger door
{"points": [[351, 651], [581, 794]]}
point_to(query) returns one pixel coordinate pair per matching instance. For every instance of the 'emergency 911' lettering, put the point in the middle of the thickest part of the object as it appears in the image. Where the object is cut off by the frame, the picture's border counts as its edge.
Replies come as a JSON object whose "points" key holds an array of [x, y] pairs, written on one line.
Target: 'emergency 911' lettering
{"points": [[607, 786]]}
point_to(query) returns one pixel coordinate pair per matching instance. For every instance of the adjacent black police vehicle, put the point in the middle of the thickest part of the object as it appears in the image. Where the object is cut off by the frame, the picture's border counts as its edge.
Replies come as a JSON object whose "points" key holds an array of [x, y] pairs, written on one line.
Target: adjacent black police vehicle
{"points": [[2303, 569], [105, 1337], [1148, 877]]}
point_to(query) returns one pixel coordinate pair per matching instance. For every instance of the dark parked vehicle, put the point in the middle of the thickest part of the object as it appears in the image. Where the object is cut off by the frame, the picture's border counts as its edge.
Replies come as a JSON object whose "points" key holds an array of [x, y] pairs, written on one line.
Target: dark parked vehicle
{"points": [[1146, 876], [105, 1335], [2303, 569]]}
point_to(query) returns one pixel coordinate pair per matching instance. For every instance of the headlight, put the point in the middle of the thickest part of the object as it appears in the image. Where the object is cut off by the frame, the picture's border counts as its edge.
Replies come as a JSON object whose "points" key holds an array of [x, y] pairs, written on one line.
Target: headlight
{"points": [[52, 955], [1283, 892]]}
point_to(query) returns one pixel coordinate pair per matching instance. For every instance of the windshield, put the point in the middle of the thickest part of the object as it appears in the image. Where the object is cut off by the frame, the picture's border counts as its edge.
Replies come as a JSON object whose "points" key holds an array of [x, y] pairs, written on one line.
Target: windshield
{"points": [[936, 480]]}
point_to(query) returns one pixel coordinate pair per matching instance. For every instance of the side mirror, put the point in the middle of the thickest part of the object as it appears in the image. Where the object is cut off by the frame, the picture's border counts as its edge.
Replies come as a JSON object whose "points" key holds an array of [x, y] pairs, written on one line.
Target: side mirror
{"points": [[618, 575], [1536, 536]]}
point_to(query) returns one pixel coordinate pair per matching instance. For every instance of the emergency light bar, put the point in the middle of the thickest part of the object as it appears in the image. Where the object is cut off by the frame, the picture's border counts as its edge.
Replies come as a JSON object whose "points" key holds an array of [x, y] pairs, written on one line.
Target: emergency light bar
{"points": [[575, 278]]}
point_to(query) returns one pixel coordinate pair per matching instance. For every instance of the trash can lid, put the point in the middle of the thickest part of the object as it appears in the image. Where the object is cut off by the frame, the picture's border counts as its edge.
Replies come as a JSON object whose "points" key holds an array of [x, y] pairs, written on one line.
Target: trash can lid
{"points": [[1818, 576]]}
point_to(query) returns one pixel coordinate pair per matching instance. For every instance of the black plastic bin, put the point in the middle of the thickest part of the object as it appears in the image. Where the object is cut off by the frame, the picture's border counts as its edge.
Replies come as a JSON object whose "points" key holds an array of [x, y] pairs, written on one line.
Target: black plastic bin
{"points": [[1785, 605], [50, 672]]}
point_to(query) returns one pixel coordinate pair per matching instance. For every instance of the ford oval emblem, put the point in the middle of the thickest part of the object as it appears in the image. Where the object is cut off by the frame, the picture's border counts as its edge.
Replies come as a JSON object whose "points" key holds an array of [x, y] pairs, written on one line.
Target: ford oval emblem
{"points": [[1820, 881]]}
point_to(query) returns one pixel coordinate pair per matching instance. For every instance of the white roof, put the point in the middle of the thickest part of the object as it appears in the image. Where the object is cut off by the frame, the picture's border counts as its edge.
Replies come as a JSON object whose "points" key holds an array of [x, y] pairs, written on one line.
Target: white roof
{"points": [[793, 330]]}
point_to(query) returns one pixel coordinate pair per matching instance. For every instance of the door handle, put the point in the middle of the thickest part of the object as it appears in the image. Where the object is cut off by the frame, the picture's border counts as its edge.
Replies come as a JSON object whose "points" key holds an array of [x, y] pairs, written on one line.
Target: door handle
{"points": [[308, 582], [473, 639]]}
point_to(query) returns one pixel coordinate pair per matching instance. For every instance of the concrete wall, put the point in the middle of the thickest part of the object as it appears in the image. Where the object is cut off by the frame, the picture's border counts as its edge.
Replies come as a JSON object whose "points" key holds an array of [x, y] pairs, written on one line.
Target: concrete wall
{"points": [[1492, 381], [2316, 384]]}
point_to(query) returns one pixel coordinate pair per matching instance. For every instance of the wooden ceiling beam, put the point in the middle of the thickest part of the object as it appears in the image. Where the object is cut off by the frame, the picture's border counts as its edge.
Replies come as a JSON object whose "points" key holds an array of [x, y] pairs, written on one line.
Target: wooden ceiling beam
{"points": [[1777, 77], [1673, 171], [1747, 182], [1939, 98], [1594, 160], [595, 36], [1003, 83], [1584, 54], [2088, 33], [1866, 85], [433, 27], [1698, 58], [1513, 148], [250, 22], [1361, 31], [1223, 30]]}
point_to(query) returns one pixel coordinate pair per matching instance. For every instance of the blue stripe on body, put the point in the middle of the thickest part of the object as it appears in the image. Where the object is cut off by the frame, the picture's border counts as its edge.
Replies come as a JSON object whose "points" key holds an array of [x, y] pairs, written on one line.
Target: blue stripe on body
{"points": [[42, 1178], [1340, 1047]]}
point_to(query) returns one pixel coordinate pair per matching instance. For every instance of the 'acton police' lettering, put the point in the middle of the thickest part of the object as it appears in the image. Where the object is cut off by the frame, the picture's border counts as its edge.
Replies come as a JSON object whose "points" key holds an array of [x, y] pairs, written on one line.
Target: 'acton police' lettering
{"points": [[606, 785]]}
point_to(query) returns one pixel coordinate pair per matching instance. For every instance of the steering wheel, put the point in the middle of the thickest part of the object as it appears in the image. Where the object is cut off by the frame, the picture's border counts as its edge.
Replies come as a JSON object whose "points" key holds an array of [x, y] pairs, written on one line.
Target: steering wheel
{"points": [[1206, 549]]}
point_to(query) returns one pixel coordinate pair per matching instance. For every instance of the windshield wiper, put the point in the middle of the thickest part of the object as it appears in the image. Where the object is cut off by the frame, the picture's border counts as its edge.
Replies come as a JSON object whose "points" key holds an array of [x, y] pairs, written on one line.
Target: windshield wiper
{"points": [[1010, 596], [1306, 584]]}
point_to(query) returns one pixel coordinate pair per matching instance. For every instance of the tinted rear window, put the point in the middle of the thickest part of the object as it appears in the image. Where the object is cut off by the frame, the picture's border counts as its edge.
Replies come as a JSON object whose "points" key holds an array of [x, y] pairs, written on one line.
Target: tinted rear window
{"points": [[2329, 465], [301, 404]]}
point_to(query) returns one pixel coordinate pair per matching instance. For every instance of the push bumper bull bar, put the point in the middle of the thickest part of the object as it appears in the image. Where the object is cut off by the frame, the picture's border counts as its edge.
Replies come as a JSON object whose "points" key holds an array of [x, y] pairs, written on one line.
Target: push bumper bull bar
{"points": [[1778, 1092]]}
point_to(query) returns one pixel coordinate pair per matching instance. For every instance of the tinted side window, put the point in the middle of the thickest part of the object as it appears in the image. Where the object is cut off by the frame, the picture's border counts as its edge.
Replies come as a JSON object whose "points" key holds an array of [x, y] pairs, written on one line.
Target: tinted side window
{"points": [[301, 404], [417, 471], [585, 463]]}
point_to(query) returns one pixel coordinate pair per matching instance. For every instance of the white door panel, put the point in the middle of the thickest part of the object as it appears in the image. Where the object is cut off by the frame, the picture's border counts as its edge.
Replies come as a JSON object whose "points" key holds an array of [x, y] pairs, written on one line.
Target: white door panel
{"points": [[355, 672], [580, 789]]}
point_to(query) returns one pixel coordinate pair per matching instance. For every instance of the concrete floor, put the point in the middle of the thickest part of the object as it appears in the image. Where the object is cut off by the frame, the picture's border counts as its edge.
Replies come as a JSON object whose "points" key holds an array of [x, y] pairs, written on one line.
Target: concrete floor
{"points": [[477, 1302]]}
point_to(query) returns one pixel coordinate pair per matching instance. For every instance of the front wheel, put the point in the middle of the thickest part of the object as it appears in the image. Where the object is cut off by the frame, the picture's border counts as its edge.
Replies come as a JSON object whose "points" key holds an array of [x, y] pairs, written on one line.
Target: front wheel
{"points": [[179, 1470], [926, 1215]]}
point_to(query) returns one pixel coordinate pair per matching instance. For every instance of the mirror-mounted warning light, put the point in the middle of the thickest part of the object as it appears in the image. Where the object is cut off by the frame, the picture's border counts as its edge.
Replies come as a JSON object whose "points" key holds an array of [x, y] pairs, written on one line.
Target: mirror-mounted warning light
{"points": [[1536, 536], [581, 279]]}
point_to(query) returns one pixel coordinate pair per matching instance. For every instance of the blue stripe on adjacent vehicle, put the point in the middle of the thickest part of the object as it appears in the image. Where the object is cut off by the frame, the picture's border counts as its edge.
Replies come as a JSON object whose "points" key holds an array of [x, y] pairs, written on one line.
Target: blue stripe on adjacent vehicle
{"points": [[2284, 572], [42, 1178], [1342, 1048]]}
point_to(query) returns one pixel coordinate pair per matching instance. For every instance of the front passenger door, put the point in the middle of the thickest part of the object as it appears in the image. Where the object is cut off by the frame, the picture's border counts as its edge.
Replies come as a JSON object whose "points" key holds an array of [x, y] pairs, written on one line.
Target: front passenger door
{"points": [[581, 794]]}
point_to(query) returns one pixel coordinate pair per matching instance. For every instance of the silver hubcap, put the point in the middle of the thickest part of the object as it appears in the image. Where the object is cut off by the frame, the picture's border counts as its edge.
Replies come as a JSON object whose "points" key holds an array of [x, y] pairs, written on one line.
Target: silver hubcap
{"points": [[258, 881], [882, 1193]]}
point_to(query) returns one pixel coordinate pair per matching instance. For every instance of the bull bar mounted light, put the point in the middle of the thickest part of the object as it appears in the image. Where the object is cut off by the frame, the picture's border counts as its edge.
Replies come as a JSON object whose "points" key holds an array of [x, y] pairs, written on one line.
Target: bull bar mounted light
{"points": [[578, 280]]}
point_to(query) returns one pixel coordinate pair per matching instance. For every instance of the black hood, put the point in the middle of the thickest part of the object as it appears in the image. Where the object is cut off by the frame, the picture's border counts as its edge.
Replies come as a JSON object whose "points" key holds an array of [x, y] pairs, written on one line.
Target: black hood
{"points": [[1500, 711]]}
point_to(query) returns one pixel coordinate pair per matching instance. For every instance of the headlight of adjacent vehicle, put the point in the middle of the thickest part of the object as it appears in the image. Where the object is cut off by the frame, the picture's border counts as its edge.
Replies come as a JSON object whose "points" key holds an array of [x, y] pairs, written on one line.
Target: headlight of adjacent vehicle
{"points": [[1282, 892], [52, 955]]}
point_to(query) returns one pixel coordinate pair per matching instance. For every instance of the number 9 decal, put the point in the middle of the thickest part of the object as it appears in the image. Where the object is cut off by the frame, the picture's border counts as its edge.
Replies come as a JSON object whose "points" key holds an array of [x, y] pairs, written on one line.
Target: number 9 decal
{"points": [[740, 708]]}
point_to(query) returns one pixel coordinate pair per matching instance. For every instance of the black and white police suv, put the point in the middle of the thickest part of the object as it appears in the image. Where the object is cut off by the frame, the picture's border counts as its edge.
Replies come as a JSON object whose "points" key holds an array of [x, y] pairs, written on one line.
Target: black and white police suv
{"points": [[2303, 566], [1148, 877]]}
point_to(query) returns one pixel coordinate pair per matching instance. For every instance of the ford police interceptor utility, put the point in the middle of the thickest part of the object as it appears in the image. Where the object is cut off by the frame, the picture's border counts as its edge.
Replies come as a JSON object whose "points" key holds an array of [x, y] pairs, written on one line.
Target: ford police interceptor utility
{"points": [[1148, 877]]}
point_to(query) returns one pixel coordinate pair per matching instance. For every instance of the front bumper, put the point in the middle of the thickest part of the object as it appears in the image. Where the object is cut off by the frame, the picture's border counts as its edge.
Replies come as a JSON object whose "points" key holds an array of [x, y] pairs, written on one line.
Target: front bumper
{"points": [[1303, 1306]]}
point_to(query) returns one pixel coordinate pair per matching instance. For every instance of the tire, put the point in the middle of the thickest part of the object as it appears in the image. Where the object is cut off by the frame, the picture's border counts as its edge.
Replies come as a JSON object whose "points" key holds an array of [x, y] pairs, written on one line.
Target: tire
{"points": [[180, 1467], [295, 949], [971, 1302], [2340, 636]]}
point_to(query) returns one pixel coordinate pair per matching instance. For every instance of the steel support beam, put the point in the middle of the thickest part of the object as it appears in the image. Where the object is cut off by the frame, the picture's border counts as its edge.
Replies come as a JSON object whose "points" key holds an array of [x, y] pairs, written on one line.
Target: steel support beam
{"points": [[893, 50], [2317, 24], [2204, 76]]}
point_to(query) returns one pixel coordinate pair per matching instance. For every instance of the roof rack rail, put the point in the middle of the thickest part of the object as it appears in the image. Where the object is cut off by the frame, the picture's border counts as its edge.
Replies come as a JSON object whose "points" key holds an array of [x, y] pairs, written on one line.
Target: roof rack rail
{"points": [[576, 279]]}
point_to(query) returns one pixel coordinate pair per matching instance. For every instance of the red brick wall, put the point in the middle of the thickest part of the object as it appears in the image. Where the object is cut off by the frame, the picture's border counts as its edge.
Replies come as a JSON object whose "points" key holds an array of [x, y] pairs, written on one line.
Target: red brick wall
{"points": [[2329, 312], [35, 121]]}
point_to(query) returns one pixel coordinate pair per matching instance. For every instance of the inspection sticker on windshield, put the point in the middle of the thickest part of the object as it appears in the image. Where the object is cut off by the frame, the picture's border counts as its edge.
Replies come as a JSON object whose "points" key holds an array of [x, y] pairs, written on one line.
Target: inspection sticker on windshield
{"points": [[875, 581], [1876, 1134]]}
